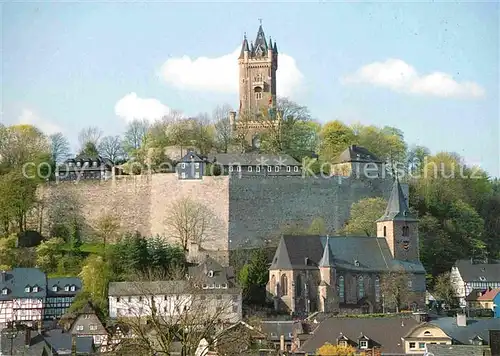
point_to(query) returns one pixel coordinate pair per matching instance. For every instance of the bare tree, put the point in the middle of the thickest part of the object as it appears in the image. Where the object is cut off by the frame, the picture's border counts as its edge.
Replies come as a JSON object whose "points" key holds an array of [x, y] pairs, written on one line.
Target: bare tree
{"points": [[190, 221], [223, 129], [107, 228], [59, 147], [135, 135], [202, 134], [90, 134], [396, 288], [110, 147], [182, 316]]}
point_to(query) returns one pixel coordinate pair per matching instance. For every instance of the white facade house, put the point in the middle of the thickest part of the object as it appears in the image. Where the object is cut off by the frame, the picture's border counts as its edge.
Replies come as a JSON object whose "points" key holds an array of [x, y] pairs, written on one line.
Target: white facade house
{"points": [[209, 292], [466, 275]]}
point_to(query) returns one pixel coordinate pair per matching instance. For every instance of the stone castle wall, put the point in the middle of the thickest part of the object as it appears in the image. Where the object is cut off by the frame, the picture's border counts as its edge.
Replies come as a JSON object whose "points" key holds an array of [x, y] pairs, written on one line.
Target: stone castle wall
{"points": [[245, 211]]}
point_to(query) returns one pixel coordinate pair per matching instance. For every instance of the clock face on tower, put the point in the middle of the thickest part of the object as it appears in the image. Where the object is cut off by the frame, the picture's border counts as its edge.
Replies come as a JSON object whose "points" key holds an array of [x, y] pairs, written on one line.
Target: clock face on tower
{"points": [[405, 244]]}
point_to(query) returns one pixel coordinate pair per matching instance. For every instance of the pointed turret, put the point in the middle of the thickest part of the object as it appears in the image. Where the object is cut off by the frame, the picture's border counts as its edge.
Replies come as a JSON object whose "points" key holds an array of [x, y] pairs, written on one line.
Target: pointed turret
{"points": [[327, 259], [275, 48], [397, 208], [244, 47]]}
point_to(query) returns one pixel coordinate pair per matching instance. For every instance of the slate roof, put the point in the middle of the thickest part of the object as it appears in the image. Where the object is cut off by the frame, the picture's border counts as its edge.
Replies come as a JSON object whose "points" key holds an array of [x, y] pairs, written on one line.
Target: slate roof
{"points": [[192, 156], [356, 153], [463, 334], [60, 283], [274, 329], [372, 253], [260, 41], [327, 258], [119, 289], [454, 350], [18, 279], [376, 329], [471, 272], [244, 47], [254, 159], [474, 295], [397, 208], [61, 342], [489, 295], [218, 275]]}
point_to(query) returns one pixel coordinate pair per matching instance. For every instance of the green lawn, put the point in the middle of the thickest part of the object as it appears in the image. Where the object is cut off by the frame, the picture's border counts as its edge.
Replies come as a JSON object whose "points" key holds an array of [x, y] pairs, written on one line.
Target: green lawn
{"points": [[96, 248]]}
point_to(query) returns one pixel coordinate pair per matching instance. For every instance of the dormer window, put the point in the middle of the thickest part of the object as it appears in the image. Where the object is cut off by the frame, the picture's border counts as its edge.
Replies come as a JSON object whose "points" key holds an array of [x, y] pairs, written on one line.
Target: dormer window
{"points": [[356, 263], [224, 286], [295, 168], [482, 279], [363, 344], [35, 289], [210, 273], [257, 169], [288, 168], [78, 164], [204, 286], [27, 289], [54, 289], [70, 164], [94, 163], [5, 291], [72, 288], [476, 340], [269, 168], [66, 288]]}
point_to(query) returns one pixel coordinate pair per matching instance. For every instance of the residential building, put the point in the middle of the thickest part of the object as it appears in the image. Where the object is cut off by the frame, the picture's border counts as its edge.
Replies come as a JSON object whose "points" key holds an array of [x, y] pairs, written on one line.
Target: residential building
{"points": [[209, 292], [88, 324], [326, 274], [84, 167], [28, 342], [60, 295], [256, 164], [22, 295], [490, 300], [357, 161], [27, 296], [192, 166], [454, 350], [469, 331], [391, 335], [467, 275], [286, 336]]}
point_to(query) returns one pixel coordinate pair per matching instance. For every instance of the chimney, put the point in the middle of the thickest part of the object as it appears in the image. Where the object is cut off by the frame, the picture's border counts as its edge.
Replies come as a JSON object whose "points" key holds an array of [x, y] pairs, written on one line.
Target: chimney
{"points": [[40, 329], [282, 343], [27, 337], [495, 342], [3, 277], [461, 319]]}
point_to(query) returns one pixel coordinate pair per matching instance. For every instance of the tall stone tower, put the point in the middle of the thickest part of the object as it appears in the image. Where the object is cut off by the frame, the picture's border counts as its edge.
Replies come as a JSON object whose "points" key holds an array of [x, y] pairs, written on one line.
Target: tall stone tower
{"points": [[258, 63], [399, 227]]}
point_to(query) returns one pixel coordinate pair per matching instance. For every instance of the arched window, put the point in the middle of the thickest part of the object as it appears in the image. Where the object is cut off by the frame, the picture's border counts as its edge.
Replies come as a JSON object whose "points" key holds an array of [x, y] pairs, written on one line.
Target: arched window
{"points": [[341, 288], [273, 284], [298, 286], [361, 287], [377, 289], [284, 284], [406, 231], [385, 231]]}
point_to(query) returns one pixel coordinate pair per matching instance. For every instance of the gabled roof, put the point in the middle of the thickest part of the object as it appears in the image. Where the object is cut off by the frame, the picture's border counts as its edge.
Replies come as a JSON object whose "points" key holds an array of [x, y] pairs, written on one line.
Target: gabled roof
{"points": [[275, 329], [210, 271], [489, 295], [454, 350], [372, 254], [464, 334], [397, 208], [375, 329], [192, 156], [355, 153], [474, 295], [18, 279], [478, 272], [61, 283]]}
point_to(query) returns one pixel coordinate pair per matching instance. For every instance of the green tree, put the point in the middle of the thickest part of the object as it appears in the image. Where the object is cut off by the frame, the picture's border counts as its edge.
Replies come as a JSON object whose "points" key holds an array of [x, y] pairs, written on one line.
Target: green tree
{"points": [[48, 254], [335, 350], [95, 277], [8, 256], [364, 213], [335, 138], [444, 291], [254, 276], [395, 288]]}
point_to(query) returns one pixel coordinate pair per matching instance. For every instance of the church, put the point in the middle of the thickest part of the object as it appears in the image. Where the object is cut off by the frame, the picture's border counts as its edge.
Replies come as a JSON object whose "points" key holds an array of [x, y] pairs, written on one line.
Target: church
{"points": [[345, 273]]}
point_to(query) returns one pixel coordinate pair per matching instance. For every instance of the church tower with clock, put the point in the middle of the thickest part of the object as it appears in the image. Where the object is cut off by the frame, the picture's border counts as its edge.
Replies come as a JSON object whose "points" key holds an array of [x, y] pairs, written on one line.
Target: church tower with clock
{"points": [[258, 63], [399, 227]]}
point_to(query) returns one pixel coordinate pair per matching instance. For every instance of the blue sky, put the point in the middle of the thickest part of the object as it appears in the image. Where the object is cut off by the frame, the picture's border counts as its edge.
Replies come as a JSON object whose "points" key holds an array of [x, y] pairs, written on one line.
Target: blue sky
{"points": [[430, 69]]}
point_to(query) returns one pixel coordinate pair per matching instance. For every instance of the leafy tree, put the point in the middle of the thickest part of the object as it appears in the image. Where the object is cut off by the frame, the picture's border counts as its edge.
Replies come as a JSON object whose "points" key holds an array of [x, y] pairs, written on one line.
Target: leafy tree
{"points": [[317, 227], [49, 253], [364, 213], [223, 129], [335, 138], [135, 136], [254, 276], [95, 276], [335, 350], [23, 144], [444, 291], [8, 256], [107, 227], [395, 287], [90, 150]]}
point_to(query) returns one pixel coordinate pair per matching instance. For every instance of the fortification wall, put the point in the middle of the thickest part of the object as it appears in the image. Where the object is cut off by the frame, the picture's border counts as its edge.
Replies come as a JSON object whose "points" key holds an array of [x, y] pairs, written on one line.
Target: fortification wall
{"points": [[211, 192], [260, 207]]}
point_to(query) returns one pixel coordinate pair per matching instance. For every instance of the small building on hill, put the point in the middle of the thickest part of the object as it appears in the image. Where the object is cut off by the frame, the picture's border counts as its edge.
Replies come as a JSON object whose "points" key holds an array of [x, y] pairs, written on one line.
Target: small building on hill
{"points": [[256, 164], [346, 273], [357, 161], [84, 167]]}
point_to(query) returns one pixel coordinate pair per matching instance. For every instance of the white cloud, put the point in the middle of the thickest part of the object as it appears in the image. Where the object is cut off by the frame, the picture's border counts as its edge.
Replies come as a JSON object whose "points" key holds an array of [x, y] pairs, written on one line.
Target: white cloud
{"points": [[399, 76], [28, 117], [221, 74], [132, 107]]}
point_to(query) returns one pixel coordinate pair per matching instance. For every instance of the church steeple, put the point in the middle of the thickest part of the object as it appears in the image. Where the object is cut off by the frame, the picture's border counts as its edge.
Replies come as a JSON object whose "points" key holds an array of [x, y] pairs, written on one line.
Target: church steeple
{"points": [[397, 208], [244, 47], [327, 259]]}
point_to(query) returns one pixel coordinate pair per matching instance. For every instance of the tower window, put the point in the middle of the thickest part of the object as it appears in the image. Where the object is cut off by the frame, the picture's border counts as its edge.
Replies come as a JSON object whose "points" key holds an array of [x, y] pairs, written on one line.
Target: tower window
{"points": [[341, 288], [385, 231], [361, 287], [258, 95], [377, 289], [284, 285], [406, 231]]}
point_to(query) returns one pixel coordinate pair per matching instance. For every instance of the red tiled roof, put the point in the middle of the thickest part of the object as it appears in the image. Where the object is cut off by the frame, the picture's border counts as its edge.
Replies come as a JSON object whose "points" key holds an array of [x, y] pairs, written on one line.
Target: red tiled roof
{"points": [[489, 295]]}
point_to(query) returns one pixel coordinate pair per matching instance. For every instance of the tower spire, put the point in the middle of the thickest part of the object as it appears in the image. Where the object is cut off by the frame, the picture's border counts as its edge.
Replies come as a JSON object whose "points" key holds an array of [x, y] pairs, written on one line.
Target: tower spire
{"points": [[327, 259], [397, 208]]}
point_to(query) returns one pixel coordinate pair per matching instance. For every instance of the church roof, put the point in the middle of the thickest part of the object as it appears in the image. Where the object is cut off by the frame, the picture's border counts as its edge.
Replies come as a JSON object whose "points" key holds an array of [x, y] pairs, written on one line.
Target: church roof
{"points": [[260, 41], [357, 253], [244, 47], [327, 258], [397, 208]]}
